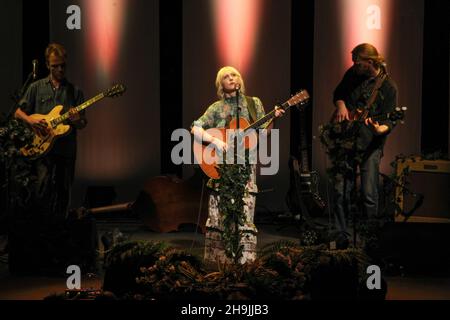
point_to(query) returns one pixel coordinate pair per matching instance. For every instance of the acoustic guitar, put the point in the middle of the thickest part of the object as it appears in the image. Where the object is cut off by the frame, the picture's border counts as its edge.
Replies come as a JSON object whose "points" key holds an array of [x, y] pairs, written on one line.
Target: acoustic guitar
{"points": [[44, 139], [206, 155]]}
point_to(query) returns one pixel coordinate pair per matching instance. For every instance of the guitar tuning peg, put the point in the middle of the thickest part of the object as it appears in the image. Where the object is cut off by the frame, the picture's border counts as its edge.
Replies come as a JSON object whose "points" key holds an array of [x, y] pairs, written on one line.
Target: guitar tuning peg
{"points": [[402, 122], [404, 108], [397, 109]]}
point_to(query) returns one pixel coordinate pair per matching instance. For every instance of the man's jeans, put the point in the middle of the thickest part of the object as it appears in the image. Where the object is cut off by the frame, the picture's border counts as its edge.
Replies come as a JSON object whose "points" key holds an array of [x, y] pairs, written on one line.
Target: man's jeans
{"points": [[343, 202]]}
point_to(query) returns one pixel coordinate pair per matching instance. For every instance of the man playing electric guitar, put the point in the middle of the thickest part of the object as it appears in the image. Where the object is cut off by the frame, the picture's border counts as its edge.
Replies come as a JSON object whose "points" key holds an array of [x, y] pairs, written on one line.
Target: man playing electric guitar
{"points": [[55, 170], [366, 90]]}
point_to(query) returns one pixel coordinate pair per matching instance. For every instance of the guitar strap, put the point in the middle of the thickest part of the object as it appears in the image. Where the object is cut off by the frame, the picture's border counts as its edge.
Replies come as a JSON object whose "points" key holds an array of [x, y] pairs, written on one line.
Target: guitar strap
{"points": [[70, 94], [376, 88], [251, 108]]}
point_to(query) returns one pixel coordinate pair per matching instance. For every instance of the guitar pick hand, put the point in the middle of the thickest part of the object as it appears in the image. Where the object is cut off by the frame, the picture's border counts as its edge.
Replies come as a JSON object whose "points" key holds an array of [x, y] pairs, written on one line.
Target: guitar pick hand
{"points": [[220, 145], [341, 114], [39, 126]]}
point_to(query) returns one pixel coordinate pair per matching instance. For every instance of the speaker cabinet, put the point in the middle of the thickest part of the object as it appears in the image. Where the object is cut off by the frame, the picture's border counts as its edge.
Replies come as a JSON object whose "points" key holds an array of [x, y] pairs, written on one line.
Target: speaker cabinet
{"points": [[429, 183]]}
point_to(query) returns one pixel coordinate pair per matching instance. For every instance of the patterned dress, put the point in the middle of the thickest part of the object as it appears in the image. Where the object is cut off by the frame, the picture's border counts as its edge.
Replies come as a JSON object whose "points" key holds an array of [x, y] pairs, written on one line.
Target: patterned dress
{"points": [[219, 115]]}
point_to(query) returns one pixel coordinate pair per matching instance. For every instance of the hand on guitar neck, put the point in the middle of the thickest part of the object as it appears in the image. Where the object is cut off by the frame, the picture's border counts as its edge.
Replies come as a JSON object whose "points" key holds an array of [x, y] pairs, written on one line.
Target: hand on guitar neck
{"points": [[76, 119], [375, 127]]}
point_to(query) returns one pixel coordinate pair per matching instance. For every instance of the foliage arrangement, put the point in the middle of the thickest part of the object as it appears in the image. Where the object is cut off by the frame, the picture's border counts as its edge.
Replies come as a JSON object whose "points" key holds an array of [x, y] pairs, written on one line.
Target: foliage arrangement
{"points": [[283, 271], [232, 190], [342, 148], [18, 176]]}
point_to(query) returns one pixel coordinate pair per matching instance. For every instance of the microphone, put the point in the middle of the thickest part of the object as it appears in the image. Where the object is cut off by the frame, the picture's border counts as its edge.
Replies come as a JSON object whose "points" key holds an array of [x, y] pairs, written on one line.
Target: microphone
{"points": [[383, 66], [237, 87], [35, 68]]}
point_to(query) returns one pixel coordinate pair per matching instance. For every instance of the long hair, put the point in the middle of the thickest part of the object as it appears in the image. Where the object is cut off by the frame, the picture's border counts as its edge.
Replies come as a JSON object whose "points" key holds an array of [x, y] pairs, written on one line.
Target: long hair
{"points": [[221, 73], [366, 51]]}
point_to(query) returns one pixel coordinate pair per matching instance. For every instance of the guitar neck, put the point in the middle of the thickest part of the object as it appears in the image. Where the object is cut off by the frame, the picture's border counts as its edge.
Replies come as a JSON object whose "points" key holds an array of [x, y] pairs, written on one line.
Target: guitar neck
{"points": [[303, 144], [79, 108], [266, 118], [382, 117]]}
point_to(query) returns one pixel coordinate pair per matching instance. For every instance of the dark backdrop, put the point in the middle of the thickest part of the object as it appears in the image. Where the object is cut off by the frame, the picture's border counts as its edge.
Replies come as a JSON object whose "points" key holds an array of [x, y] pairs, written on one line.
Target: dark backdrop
{"points": [[165, 54]]}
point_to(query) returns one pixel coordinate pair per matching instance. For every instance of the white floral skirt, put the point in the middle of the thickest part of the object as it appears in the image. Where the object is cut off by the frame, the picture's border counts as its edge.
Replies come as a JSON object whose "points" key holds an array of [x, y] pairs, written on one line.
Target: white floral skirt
{"points": [[214, 245]]}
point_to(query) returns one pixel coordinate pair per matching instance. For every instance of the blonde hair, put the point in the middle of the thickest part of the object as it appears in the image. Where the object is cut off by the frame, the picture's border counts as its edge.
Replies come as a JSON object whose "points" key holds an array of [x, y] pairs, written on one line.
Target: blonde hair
{"points": [[366, 51], [56, 49], [221, 74]]}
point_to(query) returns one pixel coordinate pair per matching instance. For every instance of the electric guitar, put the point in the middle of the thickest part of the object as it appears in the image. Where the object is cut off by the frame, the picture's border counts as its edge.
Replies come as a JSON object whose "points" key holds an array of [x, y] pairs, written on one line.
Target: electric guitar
{"points": [[359, 115], [303, 194], [207, 156], [44, 139], [335, 135]]}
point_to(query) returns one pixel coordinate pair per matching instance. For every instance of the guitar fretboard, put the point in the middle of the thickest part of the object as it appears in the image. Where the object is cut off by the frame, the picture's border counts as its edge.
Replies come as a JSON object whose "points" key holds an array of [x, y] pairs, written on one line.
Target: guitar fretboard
{"points": [[266, 118], [82, 106]]}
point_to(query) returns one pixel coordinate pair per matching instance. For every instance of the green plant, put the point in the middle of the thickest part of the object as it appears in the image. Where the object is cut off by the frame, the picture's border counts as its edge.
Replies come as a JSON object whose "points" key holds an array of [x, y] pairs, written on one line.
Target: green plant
{"points": [[19, 178], [342, 147], [232, 190]]}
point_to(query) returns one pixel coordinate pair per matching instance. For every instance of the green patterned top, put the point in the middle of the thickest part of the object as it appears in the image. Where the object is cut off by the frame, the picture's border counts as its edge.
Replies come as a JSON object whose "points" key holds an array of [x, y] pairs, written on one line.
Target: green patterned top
{"points": [[220, 113]]}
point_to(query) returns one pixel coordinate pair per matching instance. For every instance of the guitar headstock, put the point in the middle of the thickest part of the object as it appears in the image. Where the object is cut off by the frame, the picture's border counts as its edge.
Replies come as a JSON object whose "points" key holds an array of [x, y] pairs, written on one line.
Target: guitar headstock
{"points": [[115, 91], [301, 98], [398, 114]]}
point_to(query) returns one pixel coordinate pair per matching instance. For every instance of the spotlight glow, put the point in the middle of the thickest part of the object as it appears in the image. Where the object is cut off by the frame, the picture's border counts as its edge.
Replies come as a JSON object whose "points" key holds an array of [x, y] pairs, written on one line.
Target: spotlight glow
{"points": [[105, 24], [236, 27], [365, 21]]}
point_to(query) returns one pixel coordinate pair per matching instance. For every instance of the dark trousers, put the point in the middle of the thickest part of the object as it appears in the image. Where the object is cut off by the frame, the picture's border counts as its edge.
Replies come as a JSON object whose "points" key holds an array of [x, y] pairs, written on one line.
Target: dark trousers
{"points": [[344, 190], [52, 195]]}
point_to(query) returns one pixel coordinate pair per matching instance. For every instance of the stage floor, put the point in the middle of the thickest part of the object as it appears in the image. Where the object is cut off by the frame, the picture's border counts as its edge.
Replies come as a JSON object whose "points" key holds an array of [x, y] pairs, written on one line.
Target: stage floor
{"points": [[425, 285]]}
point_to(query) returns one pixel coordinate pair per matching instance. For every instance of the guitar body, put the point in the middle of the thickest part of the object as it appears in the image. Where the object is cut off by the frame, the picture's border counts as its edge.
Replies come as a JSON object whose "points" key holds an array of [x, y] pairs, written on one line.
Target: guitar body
{"points": [[309, 188], [303, 196], [42, 143], [206, 155]]}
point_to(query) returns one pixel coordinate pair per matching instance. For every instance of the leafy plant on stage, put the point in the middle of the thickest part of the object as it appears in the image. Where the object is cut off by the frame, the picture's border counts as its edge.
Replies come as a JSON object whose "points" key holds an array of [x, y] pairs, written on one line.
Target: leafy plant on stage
{"points": [[342, 148], [128, 251], [287, 256], [283, 271], [232, 191], [14, 134], [174, 274]]}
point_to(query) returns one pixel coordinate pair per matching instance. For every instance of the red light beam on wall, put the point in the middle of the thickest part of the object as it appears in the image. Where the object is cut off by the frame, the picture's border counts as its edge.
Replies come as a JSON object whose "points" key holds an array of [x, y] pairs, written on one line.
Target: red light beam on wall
{"points": [[105, 23], [365, 21], [236, 26]]}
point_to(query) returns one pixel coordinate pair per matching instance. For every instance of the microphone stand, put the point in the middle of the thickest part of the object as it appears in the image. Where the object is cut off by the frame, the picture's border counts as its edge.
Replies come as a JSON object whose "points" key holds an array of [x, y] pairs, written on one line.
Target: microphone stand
{"points": [[236, 139], [235, 155], [16, 98]]}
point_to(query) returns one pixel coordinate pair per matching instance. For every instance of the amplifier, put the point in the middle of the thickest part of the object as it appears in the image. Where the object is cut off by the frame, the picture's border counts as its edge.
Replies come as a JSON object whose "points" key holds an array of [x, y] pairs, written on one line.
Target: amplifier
{"points": [[429, 183]]}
